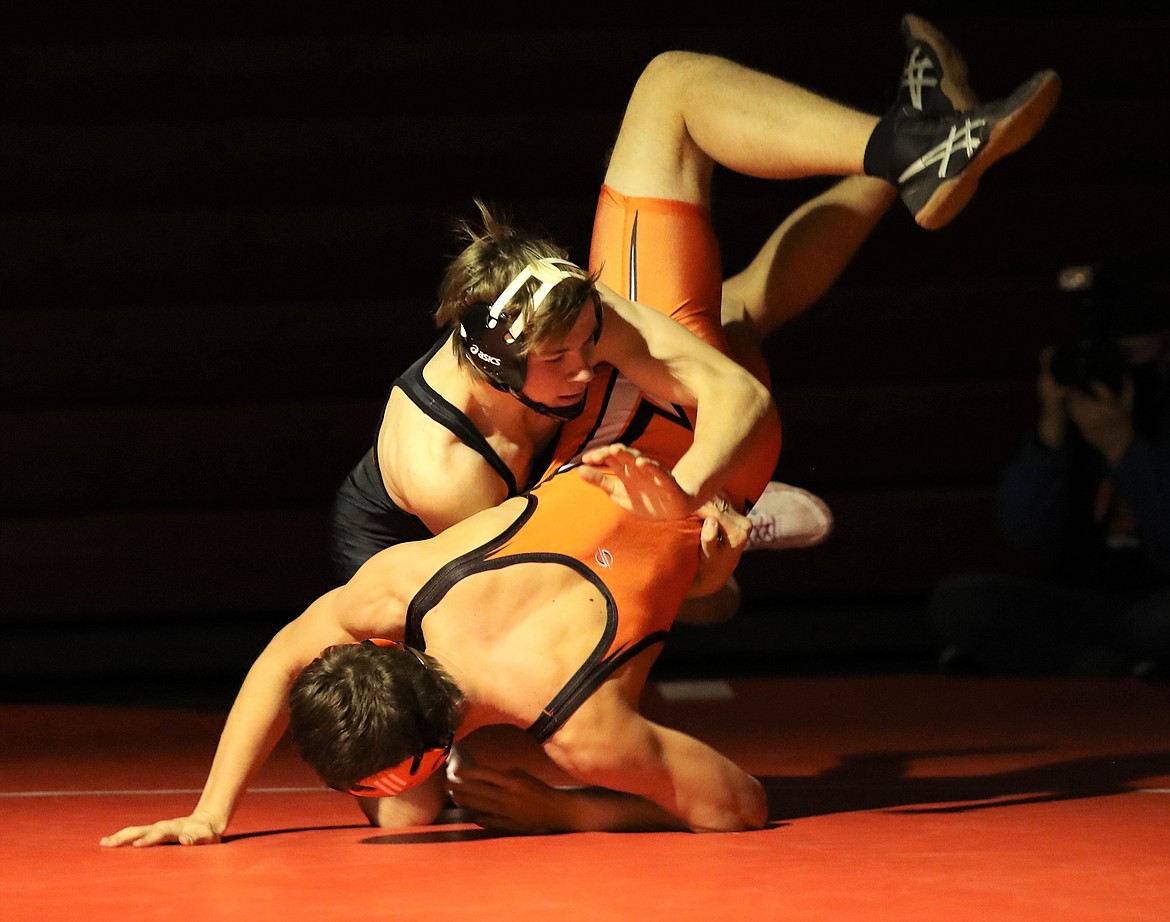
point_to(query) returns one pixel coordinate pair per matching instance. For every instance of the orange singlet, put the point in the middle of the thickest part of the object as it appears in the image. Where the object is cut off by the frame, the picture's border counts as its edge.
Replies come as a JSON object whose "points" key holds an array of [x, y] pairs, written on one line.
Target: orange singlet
{"points": [[641, 567], [662, 254]]}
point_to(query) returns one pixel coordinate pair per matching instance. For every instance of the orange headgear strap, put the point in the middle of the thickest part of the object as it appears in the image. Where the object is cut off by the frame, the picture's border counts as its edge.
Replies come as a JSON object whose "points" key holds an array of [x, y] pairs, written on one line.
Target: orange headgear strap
{"points": [[411, 771]]}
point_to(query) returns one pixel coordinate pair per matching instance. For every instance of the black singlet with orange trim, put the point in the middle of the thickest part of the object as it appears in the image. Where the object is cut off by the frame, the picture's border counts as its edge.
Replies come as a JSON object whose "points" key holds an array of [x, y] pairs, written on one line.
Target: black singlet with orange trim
{"points": [[365, 519]]}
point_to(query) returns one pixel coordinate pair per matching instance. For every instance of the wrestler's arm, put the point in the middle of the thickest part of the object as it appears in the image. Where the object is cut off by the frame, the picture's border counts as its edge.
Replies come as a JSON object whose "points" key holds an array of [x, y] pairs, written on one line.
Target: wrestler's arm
{"points": [[447, 490], [519, 802], [429, 472], [258, 718], [669, 361], [637, 776]]}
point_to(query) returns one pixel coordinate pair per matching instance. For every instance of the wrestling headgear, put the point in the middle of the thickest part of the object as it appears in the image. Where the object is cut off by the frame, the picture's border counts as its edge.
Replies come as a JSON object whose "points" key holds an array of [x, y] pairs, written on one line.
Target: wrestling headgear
{"points": [[499, 351]]}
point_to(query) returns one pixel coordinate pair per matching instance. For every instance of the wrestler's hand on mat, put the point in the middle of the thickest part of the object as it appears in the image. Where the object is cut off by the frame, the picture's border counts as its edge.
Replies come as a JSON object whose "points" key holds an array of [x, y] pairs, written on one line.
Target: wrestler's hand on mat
{"points": [[186, 830], [635, 482], [512, 800]]}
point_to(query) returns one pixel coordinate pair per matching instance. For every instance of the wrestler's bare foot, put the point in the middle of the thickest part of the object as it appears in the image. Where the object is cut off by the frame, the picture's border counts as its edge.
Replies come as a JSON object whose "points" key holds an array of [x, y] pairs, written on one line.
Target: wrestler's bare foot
{"points": [[787, 517]]}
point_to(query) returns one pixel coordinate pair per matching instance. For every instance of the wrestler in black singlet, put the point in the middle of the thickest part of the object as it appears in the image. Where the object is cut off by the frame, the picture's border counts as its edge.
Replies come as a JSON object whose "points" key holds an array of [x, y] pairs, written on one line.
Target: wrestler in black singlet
{"points": [[365, 519]]}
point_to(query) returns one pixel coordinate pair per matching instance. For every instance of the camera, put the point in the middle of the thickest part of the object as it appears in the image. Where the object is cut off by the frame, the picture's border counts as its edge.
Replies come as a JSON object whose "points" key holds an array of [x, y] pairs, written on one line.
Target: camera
{"points": [[1101, 302], [1081, 363]]}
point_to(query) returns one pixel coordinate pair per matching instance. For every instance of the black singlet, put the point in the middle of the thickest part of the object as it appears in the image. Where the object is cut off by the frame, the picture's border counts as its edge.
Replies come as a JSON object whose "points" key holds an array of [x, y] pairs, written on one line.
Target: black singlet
{"points": [[365, 519]]}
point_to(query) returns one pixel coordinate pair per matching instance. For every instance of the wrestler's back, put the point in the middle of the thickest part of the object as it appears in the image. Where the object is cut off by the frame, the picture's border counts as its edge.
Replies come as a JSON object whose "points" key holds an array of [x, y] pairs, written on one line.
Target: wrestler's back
{"points": [[573, 582]]}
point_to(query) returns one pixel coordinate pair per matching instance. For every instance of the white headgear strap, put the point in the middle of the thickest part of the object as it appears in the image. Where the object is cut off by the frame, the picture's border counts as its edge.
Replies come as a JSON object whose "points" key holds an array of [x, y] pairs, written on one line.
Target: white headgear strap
{"points": [[549, 273]]}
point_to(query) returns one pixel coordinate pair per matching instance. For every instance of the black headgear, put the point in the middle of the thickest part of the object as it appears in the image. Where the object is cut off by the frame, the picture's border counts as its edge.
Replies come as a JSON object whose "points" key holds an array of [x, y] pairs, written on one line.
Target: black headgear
{"points": [[499, 351]]}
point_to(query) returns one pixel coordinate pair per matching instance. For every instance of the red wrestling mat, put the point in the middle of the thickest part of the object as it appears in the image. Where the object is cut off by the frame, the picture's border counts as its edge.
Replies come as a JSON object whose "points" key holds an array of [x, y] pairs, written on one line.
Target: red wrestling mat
{"points": [[893, 798]]}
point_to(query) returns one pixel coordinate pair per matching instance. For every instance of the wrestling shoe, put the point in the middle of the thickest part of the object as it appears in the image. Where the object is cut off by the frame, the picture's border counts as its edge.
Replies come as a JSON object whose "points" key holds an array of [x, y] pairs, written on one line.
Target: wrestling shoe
{"points": [[937, 163], [787, 517], [934, 78]]}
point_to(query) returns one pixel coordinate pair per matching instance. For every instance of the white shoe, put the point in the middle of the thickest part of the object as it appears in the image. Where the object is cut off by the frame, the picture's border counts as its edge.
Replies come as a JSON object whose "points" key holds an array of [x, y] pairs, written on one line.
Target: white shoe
{"points": [[787, 517]]}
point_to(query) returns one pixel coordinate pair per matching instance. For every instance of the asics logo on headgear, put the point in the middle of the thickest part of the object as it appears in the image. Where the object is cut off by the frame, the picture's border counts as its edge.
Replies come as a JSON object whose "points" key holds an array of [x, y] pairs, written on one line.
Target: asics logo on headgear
{"points": [[483, 356]]}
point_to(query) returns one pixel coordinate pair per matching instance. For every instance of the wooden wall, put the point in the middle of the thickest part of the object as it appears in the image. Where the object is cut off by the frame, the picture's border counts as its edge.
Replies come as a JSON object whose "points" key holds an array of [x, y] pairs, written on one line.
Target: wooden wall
{"points": [[221, 230]]}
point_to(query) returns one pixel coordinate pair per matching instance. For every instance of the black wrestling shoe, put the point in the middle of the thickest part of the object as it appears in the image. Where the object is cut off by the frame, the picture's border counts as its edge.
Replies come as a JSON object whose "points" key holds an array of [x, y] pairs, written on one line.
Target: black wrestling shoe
{"points": [[934, 78], [937, 163]]}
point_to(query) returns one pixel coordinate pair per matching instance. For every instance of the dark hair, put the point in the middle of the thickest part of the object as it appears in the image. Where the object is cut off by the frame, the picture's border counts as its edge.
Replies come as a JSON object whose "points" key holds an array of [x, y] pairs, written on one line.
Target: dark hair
{"points": [[360, 708], [493, 255]]}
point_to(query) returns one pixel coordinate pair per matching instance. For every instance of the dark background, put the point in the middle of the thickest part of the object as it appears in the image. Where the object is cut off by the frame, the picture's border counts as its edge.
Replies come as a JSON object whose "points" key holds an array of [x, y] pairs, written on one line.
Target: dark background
{"points": [[222, 226]]}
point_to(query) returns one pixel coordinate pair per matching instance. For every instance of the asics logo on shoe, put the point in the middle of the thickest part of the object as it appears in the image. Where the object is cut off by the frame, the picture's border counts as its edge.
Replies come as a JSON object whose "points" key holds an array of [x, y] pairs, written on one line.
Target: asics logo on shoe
{"points": [[960, 140], [919, 75], [763, 533]]}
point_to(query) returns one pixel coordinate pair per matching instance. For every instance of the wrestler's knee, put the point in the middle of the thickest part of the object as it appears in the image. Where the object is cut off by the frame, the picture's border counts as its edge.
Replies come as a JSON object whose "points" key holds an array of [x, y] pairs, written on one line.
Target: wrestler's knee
{"points": [[667, 71]]}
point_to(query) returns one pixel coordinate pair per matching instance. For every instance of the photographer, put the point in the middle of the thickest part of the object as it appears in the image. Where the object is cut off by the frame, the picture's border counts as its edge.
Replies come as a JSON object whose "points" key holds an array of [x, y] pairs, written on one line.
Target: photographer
{"points": [[1090, 487]]}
